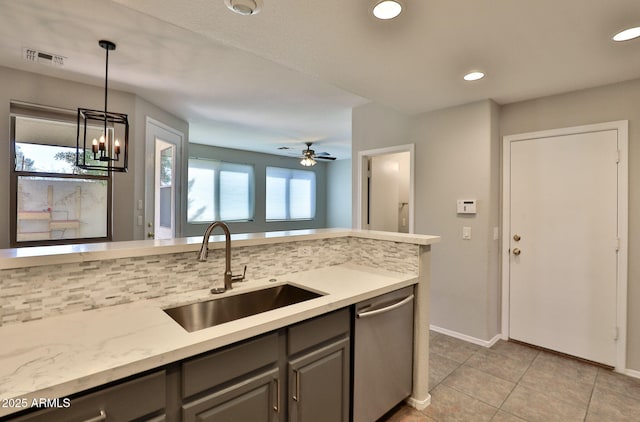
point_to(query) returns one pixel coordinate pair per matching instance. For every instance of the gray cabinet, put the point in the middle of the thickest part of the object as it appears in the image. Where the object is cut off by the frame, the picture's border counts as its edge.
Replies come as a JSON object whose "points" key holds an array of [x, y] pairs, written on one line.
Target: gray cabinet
{"points": [[319, 369], [140, 399], [237, 383], [299, 373], [319, 384], [254, 398]]}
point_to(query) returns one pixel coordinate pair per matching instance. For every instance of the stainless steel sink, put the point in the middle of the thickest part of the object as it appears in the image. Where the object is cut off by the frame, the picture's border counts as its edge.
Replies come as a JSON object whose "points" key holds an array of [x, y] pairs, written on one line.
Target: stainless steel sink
{"points": [[197, 316]]}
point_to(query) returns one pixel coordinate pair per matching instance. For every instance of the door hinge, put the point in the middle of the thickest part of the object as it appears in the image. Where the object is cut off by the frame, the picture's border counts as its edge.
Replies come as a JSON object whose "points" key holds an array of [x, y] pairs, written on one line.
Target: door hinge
{"points": [[617, 244], [618, 157], [616, 333]]}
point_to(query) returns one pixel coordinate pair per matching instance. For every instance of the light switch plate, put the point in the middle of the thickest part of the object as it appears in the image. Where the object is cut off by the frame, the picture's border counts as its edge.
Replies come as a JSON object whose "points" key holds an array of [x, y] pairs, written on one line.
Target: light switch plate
{"points": [[466, 233]]}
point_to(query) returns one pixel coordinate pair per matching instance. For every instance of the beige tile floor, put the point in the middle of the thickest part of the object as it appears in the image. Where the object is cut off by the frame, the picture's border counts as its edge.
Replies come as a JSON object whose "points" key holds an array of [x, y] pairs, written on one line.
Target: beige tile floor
{"points": [[511, 382]]}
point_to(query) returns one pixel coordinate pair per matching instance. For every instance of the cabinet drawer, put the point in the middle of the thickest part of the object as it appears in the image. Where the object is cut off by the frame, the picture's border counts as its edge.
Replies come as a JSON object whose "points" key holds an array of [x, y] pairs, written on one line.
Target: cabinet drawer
{"points": [[213, 369], [122, 402], [318, 330]]}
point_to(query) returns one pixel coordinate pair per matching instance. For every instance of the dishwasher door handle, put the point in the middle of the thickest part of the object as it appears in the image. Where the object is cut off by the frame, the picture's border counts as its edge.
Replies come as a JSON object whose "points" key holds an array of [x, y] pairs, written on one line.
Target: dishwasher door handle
{"points": [[385, 309]]}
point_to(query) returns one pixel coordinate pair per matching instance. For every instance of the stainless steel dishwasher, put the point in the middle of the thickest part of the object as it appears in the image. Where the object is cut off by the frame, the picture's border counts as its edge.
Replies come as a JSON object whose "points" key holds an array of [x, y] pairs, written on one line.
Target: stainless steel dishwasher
{"points": [[383, 354]]}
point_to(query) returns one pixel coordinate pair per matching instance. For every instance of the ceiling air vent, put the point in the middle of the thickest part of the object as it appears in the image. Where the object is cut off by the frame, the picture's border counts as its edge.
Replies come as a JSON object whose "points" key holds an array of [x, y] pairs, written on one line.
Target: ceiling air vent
{"points": [[35, 56]]}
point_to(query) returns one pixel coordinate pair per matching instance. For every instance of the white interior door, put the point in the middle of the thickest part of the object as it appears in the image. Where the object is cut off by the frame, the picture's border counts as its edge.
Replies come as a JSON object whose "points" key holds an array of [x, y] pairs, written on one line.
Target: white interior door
{"points": [[162, 191], [563, 243]]}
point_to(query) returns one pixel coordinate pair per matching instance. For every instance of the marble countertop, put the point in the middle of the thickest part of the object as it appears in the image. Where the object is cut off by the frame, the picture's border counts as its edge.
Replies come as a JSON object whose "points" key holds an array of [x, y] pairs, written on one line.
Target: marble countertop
{"points": [[59, 356], [62, 254]]}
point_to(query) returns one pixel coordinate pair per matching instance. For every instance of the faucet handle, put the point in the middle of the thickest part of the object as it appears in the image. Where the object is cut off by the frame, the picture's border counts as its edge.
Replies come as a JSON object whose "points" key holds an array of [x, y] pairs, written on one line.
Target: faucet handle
{"points": [[239, 277]]}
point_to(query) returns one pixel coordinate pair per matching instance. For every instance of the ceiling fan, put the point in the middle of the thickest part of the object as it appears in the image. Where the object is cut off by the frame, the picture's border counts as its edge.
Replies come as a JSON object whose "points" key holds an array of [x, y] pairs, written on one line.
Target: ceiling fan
{"points": [[309, 156]]}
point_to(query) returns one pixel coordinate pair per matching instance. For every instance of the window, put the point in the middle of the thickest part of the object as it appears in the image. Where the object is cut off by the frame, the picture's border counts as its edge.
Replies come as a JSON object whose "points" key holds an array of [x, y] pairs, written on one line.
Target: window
{"points": [[52, 200], [291, 194], [219, 191]]}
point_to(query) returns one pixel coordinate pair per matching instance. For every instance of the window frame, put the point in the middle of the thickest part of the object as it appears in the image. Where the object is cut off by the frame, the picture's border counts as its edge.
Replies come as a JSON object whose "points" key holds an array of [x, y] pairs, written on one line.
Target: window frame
{"points": [[289, 177], [219, 166], [59, 115]]}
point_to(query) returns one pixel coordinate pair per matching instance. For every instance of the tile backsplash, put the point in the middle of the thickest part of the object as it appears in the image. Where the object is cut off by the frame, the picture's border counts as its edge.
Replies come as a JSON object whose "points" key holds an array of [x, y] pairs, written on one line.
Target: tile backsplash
{"points": [[41, 292]]}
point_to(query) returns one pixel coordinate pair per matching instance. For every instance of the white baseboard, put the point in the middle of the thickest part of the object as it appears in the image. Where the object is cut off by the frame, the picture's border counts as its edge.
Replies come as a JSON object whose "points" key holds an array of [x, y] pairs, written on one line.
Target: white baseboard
{"points": [[419, 404], [632, 373], [469, 339]]}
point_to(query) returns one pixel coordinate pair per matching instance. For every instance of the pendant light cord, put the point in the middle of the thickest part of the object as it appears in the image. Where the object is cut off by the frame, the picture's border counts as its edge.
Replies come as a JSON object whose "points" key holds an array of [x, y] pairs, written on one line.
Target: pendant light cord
{"points": [[106, 82]]}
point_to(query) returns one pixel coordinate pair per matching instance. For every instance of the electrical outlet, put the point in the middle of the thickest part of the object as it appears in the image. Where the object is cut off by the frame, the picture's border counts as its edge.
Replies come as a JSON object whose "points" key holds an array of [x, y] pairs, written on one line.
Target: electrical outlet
{"points": [[304, 251]]}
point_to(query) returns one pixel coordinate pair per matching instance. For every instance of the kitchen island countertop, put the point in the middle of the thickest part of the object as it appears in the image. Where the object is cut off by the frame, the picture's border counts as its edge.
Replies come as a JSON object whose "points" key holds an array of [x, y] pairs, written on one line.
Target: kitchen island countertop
{"points": [[59, 356], [64, 254]]}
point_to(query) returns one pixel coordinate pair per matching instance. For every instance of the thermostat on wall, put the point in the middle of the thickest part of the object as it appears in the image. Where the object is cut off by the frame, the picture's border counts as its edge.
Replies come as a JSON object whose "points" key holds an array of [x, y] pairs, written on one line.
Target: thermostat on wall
{"points": [[466, 206]]}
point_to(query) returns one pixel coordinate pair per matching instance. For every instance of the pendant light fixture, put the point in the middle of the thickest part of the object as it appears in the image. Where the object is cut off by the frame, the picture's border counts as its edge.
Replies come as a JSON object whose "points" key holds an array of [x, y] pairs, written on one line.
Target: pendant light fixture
{"points": [[111, 151]]}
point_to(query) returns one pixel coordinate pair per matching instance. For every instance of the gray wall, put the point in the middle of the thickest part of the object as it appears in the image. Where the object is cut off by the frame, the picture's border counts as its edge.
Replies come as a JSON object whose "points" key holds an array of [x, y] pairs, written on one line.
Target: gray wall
{"points": [[458, 153], [38, 89], [602, 104], [339, 194], [260, 163], [457, 157], [374, 126]]}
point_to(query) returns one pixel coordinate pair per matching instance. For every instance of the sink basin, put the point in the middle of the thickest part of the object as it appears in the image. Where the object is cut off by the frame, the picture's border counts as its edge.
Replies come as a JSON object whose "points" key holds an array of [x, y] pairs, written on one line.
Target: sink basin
{"points": [[197, 316]]}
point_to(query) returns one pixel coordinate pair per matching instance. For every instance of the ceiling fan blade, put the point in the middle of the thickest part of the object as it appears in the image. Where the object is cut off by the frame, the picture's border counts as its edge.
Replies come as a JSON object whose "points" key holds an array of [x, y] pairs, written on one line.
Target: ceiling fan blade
{"points": [[324, 158], [322, 153]]}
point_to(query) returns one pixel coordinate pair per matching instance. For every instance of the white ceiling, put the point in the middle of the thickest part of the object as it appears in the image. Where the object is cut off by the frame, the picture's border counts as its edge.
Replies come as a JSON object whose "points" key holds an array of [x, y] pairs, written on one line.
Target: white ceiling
{"points": [[293, 72]]}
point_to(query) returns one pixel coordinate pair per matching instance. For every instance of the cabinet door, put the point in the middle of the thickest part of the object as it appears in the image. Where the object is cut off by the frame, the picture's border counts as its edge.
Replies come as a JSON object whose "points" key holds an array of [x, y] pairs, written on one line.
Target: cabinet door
{"points": [[319, 384], [254, 399], [130, 400]]}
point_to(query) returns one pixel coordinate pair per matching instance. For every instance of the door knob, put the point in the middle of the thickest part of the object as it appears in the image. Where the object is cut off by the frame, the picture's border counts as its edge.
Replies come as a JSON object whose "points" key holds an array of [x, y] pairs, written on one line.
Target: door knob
{"points": [[151, 235], [516, 237], [516, 251]]}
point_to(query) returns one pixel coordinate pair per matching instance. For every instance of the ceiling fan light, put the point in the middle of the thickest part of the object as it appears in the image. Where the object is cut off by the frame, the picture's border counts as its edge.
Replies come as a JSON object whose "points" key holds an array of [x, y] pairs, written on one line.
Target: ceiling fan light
{"points": [[387, 9], [627, 34], [308, 162]]}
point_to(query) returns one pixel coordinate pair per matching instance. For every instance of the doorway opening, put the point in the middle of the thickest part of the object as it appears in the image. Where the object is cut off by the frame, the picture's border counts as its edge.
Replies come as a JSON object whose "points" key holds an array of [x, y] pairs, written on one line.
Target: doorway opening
{"points": [[163, 176], [386, 189]]}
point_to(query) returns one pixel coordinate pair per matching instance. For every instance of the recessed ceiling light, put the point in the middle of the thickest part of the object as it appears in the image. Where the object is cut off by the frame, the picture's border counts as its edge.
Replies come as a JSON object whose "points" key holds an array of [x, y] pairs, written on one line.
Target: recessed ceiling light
{"points": [[387, 9], [244, 7], [473, 76], [627, 34]]}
